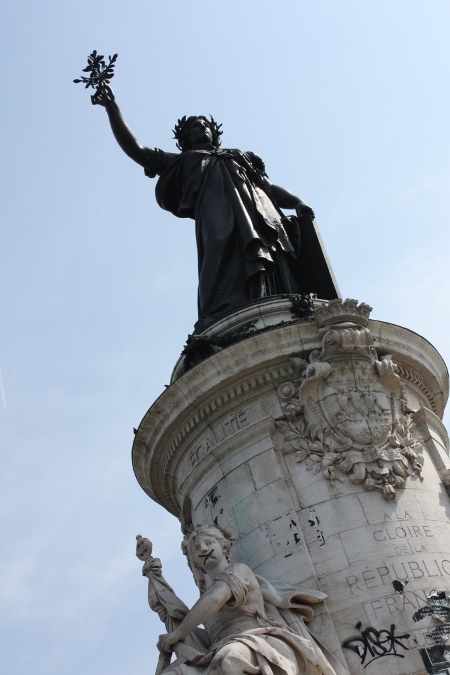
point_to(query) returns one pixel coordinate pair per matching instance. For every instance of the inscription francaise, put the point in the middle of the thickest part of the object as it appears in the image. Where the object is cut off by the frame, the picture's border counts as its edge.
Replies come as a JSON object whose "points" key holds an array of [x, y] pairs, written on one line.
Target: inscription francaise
{"points": [[218, 434], [408, 602]]}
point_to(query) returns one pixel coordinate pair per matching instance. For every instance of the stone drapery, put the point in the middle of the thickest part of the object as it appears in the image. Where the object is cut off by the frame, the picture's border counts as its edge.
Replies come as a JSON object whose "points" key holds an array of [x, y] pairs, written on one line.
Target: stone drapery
{"points": [[244, 251], [269, 623]]}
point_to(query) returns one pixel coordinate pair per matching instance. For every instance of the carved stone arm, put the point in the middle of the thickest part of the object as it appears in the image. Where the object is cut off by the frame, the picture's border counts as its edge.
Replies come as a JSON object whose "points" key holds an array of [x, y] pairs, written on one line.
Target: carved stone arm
{"points": [[208, 604]]}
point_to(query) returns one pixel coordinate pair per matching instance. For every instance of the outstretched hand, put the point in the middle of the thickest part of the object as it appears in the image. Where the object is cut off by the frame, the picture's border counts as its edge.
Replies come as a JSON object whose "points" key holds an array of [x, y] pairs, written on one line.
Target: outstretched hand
{"points": [[104, 96]]}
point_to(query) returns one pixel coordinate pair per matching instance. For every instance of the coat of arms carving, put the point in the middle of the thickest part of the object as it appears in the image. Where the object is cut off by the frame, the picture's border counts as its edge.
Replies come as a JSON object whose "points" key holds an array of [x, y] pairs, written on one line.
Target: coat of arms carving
{"points": [[346, 414]]}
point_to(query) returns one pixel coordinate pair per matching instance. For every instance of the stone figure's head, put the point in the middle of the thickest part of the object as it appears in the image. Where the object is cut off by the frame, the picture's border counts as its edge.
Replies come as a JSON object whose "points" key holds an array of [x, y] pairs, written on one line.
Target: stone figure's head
{"points": [[197, 130], [143, 547], [205, 545]]}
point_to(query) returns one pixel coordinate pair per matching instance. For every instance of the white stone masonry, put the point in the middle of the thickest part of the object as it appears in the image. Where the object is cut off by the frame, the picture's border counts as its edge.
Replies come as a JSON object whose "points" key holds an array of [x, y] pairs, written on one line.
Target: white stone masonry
{"points": [[319, 445]]}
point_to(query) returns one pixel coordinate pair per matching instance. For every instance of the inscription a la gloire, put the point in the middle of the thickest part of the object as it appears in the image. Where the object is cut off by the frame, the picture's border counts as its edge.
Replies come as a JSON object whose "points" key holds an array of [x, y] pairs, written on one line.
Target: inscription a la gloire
{"points": [[401, 532]]}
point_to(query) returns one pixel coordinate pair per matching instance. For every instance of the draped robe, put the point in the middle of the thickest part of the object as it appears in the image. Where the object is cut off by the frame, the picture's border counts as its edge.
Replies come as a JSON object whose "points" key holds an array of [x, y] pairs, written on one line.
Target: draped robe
{"points": [[270, 623], [243, 248]]}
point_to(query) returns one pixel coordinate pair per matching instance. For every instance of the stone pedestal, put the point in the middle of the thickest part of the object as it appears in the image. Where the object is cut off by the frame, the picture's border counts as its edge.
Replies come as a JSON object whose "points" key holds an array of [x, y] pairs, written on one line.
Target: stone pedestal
{"points": [[319, 445]]}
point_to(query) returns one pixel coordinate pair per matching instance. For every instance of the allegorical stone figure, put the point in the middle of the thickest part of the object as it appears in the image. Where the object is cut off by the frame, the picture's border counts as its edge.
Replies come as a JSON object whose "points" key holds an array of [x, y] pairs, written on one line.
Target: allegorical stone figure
{"points": [[251, 627], [247, 249]]}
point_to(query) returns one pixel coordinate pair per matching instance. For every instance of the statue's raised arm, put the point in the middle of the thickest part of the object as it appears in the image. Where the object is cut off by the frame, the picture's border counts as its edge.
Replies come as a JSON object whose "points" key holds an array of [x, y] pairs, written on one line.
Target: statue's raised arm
{"points": [[247, 247], [98, 76], [122, 132]]}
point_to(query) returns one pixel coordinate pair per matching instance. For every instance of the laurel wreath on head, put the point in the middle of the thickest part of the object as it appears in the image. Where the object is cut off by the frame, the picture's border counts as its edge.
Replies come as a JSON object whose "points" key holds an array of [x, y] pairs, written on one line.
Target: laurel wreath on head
{"points": [[181, 130]]}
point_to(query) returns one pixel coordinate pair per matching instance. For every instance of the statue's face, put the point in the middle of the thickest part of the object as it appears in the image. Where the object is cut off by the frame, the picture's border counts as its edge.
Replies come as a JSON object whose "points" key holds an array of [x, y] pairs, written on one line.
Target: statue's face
{"points": [[200, 133], [143, 548], [206, 551]]}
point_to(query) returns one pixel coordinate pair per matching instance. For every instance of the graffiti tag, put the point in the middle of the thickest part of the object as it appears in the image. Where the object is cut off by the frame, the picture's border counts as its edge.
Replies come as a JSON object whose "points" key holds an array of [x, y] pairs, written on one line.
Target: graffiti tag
{"points": [[313, 521], [376, 644]]}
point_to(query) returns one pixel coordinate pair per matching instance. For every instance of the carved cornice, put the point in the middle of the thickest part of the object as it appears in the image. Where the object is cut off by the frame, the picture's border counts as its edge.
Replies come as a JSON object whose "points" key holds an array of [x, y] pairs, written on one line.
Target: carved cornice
{"points": [[407, 374], [215, 408], [243, 372], [242, 438]]}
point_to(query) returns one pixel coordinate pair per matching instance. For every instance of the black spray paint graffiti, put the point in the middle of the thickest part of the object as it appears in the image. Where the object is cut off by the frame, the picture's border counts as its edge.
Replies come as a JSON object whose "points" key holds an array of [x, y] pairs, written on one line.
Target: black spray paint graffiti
{"points": [[313, 521], [284, 534], [399, 586], [376, 644], [294, 529], [212, 497], [216, 519]]}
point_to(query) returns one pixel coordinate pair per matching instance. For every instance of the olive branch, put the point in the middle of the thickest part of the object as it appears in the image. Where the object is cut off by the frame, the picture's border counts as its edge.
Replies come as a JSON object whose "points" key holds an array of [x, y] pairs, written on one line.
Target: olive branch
{"points": [[100, 72]]}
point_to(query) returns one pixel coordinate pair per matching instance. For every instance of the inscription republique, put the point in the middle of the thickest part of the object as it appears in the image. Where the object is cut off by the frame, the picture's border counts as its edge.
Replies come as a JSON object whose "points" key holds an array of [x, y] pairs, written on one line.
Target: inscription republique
{"points": [[411, 569], [216, 435]]}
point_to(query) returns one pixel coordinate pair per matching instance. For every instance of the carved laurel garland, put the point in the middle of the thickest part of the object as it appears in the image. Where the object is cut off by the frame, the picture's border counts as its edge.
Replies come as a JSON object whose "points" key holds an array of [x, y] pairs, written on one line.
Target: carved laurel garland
{"points": [[384, 470], [346, 415]]}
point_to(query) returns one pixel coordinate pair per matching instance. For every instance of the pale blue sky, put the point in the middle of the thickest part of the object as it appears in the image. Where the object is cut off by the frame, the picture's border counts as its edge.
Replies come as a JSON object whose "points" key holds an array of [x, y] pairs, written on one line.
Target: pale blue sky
{"points": [[348, 104]]}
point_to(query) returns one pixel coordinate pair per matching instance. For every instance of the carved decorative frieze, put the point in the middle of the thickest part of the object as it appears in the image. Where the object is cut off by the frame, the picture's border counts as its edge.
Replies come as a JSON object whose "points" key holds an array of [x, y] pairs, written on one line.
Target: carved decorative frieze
{"points": [[406, 374], [345, 415]]}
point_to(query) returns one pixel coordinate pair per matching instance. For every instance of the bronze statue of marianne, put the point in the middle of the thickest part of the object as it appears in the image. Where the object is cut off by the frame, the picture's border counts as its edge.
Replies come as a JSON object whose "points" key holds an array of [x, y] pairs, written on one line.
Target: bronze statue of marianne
{"points": [[247, 248]]}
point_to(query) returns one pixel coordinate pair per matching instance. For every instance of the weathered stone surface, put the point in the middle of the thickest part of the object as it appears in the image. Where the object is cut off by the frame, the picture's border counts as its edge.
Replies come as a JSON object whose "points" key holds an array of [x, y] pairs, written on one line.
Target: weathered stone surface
{"points": [[218, 446]]}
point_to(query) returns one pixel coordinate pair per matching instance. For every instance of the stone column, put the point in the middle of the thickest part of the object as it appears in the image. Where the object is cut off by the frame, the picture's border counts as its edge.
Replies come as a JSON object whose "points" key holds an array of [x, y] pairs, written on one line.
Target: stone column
{"points": [[318, 443]]}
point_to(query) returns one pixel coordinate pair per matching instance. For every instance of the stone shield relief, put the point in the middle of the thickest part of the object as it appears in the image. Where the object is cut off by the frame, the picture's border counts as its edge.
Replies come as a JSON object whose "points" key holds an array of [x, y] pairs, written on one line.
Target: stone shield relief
{"points": [[345, 415]]}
